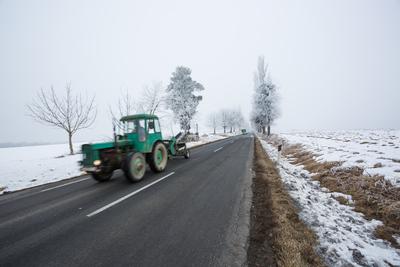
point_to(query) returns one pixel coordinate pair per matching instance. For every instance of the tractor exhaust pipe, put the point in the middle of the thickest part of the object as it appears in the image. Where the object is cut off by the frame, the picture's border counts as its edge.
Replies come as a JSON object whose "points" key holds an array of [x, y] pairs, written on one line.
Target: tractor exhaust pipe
{"points": [[115, 137]]}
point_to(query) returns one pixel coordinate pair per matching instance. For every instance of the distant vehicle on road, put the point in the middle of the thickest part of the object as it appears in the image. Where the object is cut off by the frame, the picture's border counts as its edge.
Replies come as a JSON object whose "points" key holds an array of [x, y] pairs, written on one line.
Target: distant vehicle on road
{"points": [[141, 142]]}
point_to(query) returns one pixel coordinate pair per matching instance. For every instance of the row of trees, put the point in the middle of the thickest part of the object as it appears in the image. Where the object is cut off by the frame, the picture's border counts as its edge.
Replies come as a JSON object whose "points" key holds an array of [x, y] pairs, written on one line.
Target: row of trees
{"points": [[265, 108], [72, 113], [227, 119]]}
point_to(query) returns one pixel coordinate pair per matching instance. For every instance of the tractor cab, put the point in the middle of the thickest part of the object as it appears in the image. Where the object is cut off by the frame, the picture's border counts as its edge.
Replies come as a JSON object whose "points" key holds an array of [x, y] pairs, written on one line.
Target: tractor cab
{"points": [[141, 129]]}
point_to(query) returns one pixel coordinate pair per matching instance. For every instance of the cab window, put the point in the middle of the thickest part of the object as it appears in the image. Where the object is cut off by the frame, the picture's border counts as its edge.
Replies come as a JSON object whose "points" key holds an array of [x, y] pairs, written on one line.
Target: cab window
{"points": [[150, 126], [134, 126], [157, 126], [141, 130], [130, 127]]}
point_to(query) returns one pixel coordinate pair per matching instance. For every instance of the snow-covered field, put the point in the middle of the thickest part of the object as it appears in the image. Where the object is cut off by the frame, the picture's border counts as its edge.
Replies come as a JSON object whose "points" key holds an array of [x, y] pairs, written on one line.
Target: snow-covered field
{"points": [[346, 238], [376, 151], [24, 167]]}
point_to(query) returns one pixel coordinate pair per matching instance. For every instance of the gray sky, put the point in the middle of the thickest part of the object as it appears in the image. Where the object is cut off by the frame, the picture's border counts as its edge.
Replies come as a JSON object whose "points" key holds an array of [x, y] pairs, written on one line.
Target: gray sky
{"points": [[337, 63]]}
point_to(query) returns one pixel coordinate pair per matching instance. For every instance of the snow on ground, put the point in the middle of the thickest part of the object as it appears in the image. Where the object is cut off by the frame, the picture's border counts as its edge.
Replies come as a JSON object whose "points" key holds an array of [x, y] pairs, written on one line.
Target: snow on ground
{"points": [[345, 237], [204, 139], [24, 167], [377, 151]]}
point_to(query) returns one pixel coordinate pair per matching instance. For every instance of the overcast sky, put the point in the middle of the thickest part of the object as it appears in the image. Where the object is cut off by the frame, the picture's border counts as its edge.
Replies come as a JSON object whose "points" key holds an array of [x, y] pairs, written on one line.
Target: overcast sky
{"points": [[336, 63]]}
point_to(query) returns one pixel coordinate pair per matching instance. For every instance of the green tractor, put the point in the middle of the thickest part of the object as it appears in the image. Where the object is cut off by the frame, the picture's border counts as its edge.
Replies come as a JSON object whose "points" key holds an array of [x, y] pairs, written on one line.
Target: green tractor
{"points": [[141, 142]]}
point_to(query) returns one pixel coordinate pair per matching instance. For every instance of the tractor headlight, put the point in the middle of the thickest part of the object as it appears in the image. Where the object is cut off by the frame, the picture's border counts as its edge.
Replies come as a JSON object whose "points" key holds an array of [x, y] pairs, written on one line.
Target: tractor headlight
{"points": [[97, 162]]}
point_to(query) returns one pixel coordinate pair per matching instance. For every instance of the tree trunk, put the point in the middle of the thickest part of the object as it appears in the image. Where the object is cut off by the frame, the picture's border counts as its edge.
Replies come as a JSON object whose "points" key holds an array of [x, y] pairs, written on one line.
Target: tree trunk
{"points": [[224, 129], [214, 130], [263, 129], [231, 129], [269, 130], [71, 148]]}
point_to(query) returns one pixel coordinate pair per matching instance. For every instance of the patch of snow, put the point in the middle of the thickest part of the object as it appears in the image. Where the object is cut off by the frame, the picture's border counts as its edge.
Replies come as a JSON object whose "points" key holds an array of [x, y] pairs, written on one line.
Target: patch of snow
{"points": [[345, 236], [204, 139], [397, 238], [376, 151], [23, 167]]}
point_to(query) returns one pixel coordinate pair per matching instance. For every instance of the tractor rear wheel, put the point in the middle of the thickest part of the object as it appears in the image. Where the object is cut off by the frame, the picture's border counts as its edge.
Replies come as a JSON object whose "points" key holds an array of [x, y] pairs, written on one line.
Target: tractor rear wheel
{"points": [[135, 166], [101, 176], [158, 158]]}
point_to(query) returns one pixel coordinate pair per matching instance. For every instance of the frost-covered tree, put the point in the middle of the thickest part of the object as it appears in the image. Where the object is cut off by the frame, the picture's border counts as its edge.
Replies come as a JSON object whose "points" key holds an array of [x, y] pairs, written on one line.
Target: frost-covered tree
{"points": [[181, 98], [232, 119], [224, 118], [265, 101], [238, 119], [212, 121], [68, 112]]}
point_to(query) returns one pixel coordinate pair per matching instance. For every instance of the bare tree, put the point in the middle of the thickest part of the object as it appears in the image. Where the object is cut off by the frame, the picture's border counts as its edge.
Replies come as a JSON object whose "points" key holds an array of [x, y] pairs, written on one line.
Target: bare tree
{"points": [[70, 112], [152, 98], [150, 102], [126, 106]]}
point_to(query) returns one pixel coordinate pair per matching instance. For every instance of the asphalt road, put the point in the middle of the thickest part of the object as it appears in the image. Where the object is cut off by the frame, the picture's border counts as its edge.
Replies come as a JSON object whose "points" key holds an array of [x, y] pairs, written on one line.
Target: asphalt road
{"points": [[193, 214]]}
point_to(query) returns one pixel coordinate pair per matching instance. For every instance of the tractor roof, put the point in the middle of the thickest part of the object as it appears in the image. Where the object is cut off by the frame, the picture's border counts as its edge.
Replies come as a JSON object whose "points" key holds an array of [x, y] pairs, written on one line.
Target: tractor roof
{"points": [[138, 116]]}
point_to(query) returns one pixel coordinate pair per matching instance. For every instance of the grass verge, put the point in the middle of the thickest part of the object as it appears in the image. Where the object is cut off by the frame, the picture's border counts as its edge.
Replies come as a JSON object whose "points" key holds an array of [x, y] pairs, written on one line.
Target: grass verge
{"points": [[277, 235], [373, 196]]}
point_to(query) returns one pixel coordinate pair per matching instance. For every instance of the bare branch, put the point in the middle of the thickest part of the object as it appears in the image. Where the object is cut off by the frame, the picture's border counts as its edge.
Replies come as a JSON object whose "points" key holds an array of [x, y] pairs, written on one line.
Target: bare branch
{"points": [[70, 113], [152, 98]]}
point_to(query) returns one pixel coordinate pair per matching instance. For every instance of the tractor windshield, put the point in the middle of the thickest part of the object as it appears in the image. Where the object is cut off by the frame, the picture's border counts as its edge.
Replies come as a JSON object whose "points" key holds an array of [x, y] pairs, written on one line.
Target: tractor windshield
{"points": [[134, 126]]}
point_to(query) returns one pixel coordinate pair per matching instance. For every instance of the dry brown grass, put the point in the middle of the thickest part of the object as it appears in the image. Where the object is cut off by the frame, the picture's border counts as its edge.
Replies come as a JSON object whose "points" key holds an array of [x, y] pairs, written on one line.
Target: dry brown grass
{"points": [[374, 196], [276, 226], [342, 200]]}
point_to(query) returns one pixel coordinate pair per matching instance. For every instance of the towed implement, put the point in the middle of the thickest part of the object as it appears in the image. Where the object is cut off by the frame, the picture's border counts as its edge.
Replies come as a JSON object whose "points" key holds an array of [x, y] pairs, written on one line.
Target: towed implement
{"points": [[139, 145]]}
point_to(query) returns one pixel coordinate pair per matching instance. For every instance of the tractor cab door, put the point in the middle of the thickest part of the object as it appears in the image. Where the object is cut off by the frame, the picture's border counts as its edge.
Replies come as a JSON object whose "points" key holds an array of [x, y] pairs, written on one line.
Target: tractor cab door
{"points": [[141, 130], [154, 131], [136, 132]]}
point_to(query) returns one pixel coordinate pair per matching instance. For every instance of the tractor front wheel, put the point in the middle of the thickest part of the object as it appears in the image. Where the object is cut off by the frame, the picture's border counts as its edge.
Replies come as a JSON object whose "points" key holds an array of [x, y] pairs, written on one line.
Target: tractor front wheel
{"points": [[101, 176], [158, 158], [135, 167]]}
